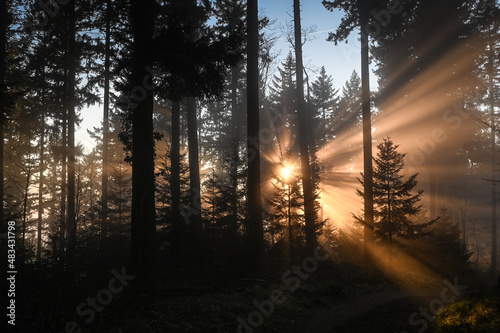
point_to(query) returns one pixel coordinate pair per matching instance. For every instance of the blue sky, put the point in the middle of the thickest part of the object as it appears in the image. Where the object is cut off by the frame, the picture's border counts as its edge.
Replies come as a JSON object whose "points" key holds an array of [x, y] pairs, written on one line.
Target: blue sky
{"points": [[339, 60]]}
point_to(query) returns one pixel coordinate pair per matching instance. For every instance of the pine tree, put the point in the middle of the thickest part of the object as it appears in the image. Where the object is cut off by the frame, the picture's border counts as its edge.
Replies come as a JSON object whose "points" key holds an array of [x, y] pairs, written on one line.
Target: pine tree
{"points": [[395, 204], [283, 104], [169, 202], [348, 115], [285, 216], [325, 103]]}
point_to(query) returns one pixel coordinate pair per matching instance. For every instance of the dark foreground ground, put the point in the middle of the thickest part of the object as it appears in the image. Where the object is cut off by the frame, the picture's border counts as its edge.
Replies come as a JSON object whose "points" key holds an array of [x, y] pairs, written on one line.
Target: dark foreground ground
{"points": [[331, 298]]}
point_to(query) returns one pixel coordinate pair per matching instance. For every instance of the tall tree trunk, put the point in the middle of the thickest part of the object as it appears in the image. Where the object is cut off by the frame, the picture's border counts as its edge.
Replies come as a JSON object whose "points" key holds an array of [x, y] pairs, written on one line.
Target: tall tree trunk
{"points": [[25, 197], [255, 229], [71, 126], [310, 223], [42, 169], [105, 126], [236, 144], [175, 184], [367, 131], [3, 93], [494, 236], [40, 182], [194, 169], [25, 206], [27, 184], [54, 197], [143, 228], [64, 156]]}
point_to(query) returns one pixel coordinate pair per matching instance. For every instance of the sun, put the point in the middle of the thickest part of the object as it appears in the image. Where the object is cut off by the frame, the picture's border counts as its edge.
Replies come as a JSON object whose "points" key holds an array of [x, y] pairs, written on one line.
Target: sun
{"points": [[286, 171]]}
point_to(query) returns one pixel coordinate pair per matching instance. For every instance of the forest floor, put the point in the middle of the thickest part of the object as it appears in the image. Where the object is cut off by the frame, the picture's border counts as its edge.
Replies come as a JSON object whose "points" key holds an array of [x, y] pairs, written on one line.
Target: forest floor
{"points": [[380, 311], [333, 298]]}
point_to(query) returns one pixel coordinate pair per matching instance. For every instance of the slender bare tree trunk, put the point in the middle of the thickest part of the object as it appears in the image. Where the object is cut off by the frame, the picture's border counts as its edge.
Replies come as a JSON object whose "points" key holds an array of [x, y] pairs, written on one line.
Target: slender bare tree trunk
{"points": [[310, 223], [71, 126], [494, 199], [255, 229], [25, 196], [105, 125], [64, 155], [40, 183], [143, 226], [194, 169], [175, 184], [236, 144], [367, 130]]}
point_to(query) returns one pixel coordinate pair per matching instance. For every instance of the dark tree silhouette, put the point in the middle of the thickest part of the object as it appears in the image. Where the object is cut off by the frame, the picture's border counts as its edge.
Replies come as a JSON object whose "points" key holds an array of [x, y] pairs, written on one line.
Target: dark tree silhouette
{"points": [[394, 201], [105, 117], [325, 103], [71, 105], [233, 12], [309, 197], [286, 203], [194, 212], [255, 229], [3, 95], [142, 255], [178, 229], [358, 16]]}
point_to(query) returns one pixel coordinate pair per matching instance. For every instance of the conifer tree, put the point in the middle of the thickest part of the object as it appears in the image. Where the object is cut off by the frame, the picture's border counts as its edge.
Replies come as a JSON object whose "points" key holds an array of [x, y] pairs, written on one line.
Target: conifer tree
{"points": [[325, 102], [395, 203], [283, 102], [349, 113], [286, 207]]}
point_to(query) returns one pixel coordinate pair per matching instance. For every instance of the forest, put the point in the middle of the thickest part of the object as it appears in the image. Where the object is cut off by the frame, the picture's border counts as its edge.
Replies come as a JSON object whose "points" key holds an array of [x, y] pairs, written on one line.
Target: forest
{"points": [[226, 188]]}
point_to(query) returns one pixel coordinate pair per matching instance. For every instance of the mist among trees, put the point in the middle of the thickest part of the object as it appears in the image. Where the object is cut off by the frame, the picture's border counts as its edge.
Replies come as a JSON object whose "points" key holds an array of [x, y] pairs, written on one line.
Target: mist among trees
{"points": [[226, 188]]}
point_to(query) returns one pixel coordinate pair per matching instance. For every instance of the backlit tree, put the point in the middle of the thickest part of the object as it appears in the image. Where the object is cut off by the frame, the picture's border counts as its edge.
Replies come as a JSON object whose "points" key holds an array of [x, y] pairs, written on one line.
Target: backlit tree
{"points": [[395, 202]]}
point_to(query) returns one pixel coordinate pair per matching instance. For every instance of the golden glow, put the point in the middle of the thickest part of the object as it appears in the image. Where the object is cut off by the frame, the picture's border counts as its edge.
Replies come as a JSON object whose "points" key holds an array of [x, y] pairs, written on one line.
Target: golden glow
{"points": [[286, 172], [428, 124]]}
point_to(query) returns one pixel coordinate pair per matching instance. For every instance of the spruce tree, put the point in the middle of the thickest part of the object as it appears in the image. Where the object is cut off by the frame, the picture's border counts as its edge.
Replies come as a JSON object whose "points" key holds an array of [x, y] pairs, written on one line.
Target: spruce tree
{"points": [[283, 104], [285, 216], [325, 103], [348, 115], [395, 202]]}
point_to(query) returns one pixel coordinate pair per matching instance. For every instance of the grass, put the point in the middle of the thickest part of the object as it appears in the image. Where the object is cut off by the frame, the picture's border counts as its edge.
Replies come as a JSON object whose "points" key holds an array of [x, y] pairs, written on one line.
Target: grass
{"points": [[470, 315]]}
